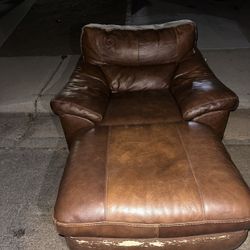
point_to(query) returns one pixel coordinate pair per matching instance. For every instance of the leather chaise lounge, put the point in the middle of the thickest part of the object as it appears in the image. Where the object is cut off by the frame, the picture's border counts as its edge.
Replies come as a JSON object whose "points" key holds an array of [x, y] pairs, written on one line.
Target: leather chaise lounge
{"points": [[144, 116]]}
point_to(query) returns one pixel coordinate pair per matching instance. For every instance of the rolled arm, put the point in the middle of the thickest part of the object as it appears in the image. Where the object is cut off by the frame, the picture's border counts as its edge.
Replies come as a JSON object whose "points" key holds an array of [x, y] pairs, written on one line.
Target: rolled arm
{"points": [[85, 95], [198, 91]]}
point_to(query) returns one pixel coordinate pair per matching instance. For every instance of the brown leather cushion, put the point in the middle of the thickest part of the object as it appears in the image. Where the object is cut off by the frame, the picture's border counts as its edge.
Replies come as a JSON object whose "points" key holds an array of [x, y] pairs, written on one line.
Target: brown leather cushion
{"points": [[138, 45], [141, 107], [122, 78], [161, 180]]}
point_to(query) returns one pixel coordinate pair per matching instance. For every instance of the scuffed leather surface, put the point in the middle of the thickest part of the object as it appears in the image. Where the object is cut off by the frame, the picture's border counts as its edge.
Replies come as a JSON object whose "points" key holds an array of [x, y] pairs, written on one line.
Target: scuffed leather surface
{"points": [[84, 178], [141, 107], [223, 241], [198, 91], [71, 124], [217, 120], [138, 45], [150, 181], [129, 78], [85, 95]]}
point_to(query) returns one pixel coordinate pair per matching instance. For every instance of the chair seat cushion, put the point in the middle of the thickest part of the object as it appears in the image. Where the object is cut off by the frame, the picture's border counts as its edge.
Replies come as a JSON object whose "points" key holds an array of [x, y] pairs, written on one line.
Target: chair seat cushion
{"points": [[141, 107], [146, 181]]}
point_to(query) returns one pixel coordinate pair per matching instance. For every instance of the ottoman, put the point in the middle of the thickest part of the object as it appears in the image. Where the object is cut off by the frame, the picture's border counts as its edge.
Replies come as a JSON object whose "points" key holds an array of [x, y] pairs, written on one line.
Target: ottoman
{"points": [[160, 186]]}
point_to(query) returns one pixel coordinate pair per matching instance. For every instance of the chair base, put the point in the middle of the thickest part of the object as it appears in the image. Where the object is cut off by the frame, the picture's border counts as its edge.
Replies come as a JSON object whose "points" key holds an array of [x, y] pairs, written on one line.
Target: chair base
{"points": [[225, 241]]}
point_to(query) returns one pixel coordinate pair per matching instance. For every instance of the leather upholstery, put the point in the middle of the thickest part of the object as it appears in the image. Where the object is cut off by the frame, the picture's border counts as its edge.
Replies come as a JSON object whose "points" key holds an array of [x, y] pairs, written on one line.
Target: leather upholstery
{"points": [[128, 78], [138, 169], [71, 124], [141, 107], [217, 120], [133, 45], [133, 64], [150, 181], [205, 242], [198, 91], [86, 94]]}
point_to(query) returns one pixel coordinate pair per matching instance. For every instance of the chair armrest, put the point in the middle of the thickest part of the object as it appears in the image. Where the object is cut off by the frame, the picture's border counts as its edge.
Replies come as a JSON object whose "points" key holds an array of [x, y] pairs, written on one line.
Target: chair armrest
{"points": [[85, 95], [198, 91]]}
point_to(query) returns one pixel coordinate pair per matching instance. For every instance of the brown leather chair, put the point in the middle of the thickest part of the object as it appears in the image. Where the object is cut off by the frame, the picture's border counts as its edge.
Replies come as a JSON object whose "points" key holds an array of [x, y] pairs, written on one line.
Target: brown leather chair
{"points": [[145, 75], [143, 116]]}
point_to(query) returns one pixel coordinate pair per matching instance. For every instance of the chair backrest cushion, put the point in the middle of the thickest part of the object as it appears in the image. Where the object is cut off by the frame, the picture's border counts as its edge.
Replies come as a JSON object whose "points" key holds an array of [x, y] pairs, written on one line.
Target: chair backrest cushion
{"points": [[138, 57], [130, 78]]}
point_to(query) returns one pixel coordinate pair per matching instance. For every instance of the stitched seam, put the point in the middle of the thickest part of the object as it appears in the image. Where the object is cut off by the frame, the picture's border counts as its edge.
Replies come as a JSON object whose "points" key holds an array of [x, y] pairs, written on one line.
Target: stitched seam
{"points": [[138, 50], [78, 117], [158, 42], [157, 231], [107, 223], [106, 174], [192, 171], [92, 239], [177, 43]]}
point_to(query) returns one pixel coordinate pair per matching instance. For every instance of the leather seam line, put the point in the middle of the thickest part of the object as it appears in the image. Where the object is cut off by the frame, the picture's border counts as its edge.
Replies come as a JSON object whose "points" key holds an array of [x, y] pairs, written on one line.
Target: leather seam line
{"points": [[106, 223], [162, 239], [177, 43], [138, 50], [158, 231], [193, 173], [106, 175], [78, 117]]}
